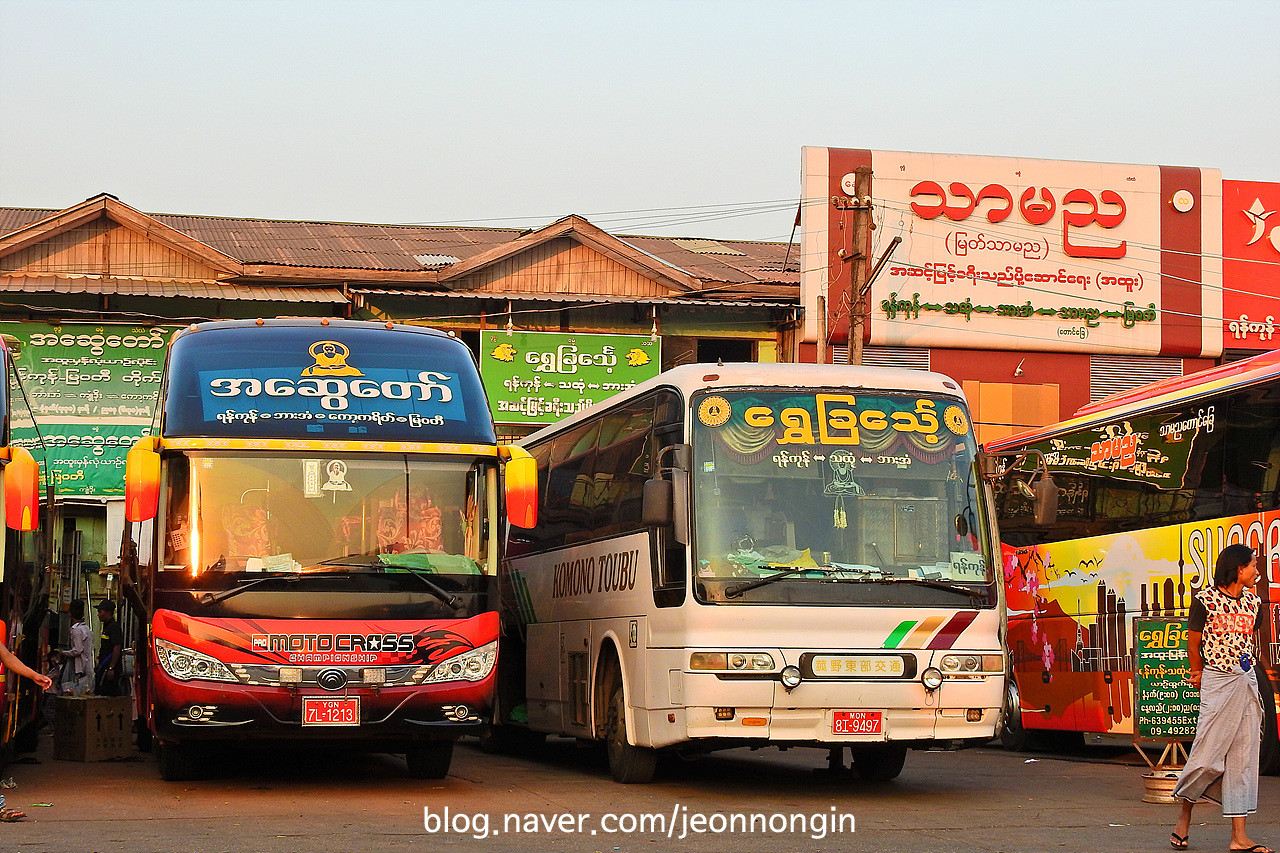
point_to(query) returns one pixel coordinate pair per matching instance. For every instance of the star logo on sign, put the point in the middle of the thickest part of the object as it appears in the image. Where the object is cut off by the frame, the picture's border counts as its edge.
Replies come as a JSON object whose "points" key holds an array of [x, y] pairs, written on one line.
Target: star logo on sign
{"points": [[1258, 215]]}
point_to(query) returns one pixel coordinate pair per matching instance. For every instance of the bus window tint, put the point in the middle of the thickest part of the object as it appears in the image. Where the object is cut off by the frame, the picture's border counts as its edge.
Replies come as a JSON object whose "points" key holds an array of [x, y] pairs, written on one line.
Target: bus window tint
{"points": [[312, 514], [856, 488]]}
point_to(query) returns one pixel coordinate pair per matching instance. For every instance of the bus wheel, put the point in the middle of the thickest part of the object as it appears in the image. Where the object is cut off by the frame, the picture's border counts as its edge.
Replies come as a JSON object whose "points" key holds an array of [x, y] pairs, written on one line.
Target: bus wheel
{"points": [[179, 762], [1012, 735], [429, 759], [1269, 753], [629, 764], [881, 763]]}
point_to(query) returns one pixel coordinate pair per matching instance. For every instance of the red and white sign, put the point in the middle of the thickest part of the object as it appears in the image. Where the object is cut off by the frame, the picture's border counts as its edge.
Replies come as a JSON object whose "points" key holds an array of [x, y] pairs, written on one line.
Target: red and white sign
{"points": [[1250, 265], [856, 723], [1017, 254]]}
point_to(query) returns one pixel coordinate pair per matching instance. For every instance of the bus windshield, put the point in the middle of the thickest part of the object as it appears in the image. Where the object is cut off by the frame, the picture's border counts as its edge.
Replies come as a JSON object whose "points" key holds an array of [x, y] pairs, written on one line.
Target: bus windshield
{"points": [[818, 497], [231, 517]]}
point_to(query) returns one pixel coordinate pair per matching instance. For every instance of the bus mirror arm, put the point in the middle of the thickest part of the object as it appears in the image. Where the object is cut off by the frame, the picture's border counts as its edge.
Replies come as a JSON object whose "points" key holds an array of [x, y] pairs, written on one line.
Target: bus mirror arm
{"points": [[665, 502], [1043, 490]]}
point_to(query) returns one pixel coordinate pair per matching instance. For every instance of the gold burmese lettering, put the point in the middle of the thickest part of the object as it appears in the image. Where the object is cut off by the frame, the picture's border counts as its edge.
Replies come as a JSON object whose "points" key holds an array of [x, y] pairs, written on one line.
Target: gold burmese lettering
{"points": [[837, 425], [758, 416], [799, 426]]}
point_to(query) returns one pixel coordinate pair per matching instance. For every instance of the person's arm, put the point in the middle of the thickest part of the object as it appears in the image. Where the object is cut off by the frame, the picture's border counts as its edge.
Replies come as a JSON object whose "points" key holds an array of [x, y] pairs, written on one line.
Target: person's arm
{"points": [[1193, 657], [10, 660]]}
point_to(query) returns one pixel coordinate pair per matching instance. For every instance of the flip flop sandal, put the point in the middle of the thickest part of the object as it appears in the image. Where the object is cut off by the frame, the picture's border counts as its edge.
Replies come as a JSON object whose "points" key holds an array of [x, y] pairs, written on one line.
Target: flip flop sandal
{"points": [[11, 815], [1177, 842]]}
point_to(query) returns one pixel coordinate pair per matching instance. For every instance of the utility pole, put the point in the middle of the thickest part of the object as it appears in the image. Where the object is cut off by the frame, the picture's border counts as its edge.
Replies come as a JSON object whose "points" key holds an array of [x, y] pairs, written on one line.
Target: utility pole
{"points": [[855, 252]]}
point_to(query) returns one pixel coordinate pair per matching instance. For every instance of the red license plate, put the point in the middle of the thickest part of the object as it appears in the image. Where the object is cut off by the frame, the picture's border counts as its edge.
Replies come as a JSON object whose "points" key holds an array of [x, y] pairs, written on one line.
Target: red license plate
{"points": [[321, 711], [855, 722]]}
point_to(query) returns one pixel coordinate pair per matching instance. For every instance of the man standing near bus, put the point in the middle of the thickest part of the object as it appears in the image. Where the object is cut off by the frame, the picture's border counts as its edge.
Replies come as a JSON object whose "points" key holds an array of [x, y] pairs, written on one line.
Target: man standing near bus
{"points": [[79, 679], [110, 651]]}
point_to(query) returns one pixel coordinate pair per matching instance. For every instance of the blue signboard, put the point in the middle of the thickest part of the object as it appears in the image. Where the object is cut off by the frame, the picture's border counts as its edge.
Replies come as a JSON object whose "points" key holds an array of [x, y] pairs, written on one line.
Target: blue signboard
{"points": [[344, 380]]}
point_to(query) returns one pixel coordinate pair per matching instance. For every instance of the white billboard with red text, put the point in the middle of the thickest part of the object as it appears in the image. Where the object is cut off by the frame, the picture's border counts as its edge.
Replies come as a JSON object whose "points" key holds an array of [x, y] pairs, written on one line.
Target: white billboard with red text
{"points": [[1016, 254]]}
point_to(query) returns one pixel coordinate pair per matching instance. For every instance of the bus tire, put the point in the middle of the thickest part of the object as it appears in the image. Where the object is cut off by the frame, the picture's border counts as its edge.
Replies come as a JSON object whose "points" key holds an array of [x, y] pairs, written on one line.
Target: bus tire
{"points": [[429, 759], [879, 763], [1269, 751], [1013, 736], [179, 762], [629, 765]]}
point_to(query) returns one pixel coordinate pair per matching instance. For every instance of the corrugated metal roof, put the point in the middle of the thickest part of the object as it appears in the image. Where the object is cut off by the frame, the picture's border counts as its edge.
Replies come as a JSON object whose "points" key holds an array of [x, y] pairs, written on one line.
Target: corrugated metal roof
{"points": [[345, 245], [169, 287], [568, 297]]}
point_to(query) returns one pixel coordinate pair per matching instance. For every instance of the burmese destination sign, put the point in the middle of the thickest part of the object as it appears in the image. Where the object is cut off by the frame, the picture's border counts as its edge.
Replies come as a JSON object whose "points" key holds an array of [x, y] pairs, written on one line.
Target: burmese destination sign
{"points": [[92, 391], [541, 377]]}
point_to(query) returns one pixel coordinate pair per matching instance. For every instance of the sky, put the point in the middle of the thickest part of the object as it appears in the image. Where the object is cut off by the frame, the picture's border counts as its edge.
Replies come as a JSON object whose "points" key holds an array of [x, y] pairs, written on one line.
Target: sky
{"points": [[682, 118]]}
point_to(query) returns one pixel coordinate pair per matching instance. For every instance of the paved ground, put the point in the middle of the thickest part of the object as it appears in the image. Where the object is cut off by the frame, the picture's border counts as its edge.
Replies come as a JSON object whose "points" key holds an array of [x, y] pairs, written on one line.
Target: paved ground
{"points": [[277, 800]]}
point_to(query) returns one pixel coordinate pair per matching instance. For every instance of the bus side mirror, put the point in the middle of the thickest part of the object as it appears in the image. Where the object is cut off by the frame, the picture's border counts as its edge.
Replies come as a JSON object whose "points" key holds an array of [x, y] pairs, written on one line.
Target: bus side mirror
{"points": [[21, 489], [521, 480], [142, 480], [656, 505], [1045, 501], [666, 502]]}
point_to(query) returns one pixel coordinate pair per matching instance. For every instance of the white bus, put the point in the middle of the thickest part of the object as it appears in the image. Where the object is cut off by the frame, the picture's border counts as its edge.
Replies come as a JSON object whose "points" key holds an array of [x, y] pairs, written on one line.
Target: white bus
{"points": [[758, 555]]}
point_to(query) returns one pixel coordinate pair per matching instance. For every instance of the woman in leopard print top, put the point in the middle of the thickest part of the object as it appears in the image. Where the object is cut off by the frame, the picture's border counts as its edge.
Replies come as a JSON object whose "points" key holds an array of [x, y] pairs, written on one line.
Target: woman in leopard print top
{"points": [[1223, 764]]}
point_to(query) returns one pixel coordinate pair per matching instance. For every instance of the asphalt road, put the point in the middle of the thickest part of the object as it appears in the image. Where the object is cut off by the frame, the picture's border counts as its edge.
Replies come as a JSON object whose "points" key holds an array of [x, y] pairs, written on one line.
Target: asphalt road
{"points": [[561, 798]]}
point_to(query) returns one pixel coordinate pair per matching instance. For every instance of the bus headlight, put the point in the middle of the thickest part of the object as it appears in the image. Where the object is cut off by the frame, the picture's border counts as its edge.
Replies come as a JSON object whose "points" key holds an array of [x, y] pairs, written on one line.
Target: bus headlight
{"points": [[956, 664], [474, 665], [731, 661], [187, 664]]}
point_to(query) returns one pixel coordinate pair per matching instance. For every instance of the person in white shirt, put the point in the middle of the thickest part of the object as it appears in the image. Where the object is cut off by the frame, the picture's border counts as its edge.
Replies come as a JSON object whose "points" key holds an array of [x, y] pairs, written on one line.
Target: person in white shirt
{"points": [[77, 676]]}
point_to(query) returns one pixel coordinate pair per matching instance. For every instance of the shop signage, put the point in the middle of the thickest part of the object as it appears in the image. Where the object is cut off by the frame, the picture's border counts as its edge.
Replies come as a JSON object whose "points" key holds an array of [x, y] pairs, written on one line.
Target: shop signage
{"points": [[1005, 253], [92, 390], [1165, 704], [1250, 265], [541, 377]]}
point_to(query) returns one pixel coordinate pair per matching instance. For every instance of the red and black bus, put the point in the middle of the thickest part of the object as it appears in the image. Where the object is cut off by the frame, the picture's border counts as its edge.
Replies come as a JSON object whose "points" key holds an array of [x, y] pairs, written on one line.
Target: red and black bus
{"points": [[317, 535]]}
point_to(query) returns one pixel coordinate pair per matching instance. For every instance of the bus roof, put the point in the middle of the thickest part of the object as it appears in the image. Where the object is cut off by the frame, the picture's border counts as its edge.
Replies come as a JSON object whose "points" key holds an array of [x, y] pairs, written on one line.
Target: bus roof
{"points": [[688, 378], [1155, 395]]}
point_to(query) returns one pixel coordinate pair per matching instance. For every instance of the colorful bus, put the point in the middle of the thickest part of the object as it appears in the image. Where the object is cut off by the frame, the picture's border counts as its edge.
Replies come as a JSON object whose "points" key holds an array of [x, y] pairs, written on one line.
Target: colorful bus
{"points": [[1153, 484], [322, 557], [22, 610], [758, 555]]}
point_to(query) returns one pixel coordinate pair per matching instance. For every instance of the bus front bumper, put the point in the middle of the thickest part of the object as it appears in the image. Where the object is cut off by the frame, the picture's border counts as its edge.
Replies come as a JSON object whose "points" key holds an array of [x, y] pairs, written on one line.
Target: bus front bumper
{"points": [[205, 710]]}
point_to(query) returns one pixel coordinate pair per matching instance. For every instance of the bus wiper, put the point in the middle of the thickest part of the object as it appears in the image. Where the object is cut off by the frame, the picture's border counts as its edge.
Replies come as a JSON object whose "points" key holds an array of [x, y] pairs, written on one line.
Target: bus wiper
{"points": [[975, 594], [786, 571], [213, 598], [439, 591]]}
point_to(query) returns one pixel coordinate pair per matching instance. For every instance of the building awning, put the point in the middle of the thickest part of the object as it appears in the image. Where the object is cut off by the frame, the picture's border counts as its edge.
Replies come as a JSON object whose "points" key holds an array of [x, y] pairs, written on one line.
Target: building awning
{"points": [[581, 297], [168, 288]]}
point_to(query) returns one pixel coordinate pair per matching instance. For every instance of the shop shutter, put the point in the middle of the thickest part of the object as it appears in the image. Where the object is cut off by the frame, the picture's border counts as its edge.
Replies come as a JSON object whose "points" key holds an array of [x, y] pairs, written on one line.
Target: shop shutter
{"points": [[1115, 374], [915, 358]]}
